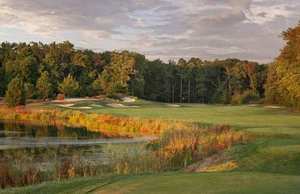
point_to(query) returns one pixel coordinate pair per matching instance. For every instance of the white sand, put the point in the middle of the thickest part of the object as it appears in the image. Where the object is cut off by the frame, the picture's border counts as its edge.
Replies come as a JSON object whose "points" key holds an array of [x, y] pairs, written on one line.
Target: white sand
{"points": [[173, 105], [74, 99], [274, 107], [252, 105], [82, 107], [66, 105], [115, 105], [128, 99]]}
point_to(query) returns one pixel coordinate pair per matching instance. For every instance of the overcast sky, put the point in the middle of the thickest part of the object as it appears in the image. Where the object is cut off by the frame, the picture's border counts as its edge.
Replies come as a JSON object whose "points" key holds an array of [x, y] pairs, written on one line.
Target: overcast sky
{"points": [[166, 29]]}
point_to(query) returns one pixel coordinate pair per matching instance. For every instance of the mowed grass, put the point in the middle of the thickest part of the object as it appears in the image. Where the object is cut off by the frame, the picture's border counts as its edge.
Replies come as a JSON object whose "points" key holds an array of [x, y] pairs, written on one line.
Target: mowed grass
{"points": [[258, 119], [268, 164], [212, 183], [174, 183]]}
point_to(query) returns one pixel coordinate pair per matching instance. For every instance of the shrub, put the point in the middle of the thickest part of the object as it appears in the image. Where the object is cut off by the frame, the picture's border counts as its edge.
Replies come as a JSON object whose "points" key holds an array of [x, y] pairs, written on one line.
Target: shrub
{"points": [[60, 97], [245, 98]]}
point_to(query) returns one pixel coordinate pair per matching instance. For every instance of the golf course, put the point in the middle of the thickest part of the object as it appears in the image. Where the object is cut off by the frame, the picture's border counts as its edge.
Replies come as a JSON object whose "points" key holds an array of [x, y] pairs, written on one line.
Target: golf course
{"points": [[150, 97], [268, 163]]}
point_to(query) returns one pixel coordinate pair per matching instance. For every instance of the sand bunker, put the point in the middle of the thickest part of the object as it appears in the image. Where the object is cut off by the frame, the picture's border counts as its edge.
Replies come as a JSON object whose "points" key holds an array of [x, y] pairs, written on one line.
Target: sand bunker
{"points": [[274, 107], [66, 105], [74, 99], [252, 105], [173, 105], [115, 105], [82, 107], [128, 99], [71, 106]]}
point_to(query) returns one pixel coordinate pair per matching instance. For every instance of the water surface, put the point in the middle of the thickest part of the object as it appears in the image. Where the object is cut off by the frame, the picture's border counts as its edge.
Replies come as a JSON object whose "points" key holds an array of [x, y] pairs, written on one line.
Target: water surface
{"points": [[45, 145]]}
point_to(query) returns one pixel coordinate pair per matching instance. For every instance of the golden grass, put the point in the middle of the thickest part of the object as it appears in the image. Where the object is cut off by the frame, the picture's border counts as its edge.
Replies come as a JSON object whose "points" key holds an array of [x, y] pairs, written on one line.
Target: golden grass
{"points": [[226, 166], [108, 125], [179, 145], [182, 147]]}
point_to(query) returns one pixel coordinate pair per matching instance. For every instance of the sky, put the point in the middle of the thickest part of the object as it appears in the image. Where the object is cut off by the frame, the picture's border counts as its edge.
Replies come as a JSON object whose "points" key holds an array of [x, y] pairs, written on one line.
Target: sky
{"points": [[165, 29]]}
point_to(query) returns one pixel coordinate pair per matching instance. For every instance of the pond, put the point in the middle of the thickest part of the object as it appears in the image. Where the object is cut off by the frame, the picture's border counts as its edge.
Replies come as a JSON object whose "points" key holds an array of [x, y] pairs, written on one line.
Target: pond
{"points": [[25, 141], [46, 146], [25, 135]]}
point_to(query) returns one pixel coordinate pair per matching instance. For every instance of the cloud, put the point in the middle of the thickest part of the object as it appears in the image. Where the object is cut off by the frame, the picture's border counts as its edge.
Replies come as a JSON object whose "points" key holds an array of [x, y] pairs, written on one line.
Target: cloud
{"points": [[168, 28], [264, 14], [39, 16]]}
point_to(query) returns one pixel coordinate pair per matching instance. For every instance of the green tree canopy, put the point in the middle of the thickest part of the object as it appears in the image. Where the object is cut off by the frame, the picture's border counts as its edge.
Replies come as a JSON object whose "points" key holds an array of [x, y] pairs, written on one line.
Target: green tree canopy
{"points": [[44, 86], [130, 73], [15, 94], [69, 86]]}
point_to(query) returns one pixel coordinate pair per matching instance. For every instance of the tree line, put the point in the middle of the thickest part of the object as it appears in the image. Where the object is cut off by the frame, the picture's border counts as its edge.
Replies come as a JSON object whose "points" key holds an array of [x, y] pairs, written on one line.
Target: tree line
{"points": [[43, 71]]}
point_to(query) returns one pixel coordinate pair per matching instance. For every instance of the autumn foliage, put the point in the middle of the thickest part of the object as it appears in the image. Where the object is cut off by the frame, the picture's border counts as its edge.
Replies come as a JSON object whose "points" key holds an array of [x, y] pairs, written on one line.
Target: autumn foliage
{"points": [[108, 125]]}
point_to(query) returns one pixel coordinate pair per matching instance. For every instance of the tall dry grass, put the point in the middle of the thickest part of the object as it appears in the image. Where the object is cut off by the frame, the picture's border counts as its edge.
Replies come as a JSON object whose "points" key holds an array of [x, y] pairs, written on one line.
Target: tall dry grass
{"points": [[175, 149], [179, 145], [108, 125]]}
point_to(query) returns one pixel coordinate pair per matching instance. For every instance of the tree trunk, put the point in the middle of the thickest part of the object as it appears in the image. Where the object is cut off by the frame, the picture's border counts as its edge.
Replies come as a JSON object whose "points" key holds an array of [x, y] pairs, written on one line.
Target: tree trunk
{"points": [[180, 100], [173, 93], [189, 91]]}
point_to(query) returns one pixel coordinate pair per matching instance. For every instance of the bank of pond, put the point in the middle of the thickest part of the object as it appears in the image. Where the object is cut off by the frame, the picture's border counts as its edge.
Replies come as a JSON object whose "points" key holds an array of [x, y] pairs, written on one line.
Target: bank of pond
{"points": [[33, 151]]}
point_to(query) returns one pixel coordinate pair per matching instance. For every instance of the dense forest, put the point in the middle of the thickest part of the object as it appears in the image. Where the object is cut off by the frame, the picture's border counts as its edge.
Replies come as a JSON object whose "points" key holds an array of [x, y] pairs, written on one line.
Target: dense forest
{"points": [[43, 71]]}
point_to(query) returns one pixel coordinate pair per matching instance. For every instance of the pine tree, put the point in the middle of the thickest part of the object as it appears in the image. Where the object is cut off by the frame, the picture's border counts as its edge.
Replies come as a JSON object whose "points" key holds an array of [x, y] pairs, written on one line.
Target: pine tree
{"points": [[69, 86], [15, 94], [44, 86]]}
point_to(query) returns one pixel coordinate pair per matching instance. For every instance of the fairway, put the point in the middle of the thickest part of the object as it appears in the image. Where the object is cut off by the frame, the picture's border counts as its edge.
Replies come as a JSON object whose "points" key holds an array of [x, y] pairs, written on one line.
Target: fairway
{"points": [[259, 118], [214, 183]]}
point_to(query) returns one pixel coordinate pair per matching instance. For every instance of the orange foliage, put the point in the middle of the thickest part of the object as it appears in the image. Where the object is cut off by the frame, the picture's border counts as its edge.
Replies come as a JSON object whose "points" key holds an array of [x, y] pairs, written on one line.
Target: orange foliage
{"points": [[108, 125]]}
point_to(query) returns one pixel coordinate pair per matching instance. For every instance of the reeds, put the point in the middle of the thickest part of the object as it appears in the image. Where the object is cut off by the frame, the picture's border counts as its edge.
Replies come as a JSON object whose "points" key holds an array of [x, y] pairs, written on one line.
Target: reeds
{"points": [[179, 145], [108, 125], [182, 147]]}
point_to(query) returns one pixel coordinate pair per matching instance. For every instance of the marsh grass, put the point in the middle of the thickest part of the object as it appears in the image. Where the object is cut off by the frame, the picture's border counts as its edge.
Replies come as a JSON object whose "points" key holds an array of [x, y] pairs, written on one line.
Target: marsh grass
{"points": [[22, 173], [182, 147], [175, 149], [107, 125], [179, 144]]}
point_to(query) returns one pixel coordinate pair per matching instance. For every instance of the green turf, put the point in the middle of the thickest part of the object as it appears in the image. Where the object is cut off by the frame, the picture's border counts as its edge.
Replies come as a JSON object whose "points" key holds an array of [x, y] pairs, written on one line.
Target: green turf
{"points": [[269, 164], [212, 183], [80, 185], [240, 116], [176, 183]]}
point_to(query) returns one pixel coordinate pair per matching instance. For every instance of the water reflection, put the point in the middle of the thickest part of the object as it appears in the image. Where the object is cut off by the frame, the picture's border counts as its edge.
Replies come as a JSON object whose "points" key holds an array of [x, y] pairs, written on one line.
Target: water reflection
{"points": [[43, 155], [48, 142], [18, 129], [30, 154], [45, 145]]}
